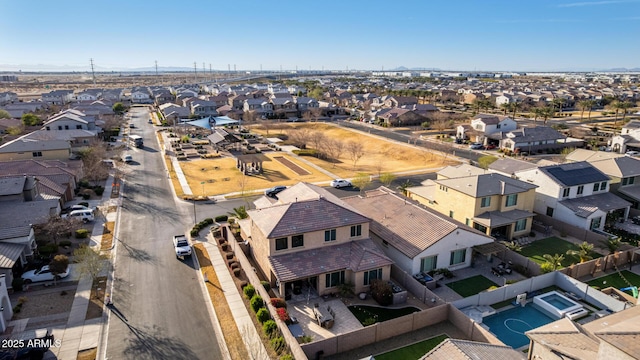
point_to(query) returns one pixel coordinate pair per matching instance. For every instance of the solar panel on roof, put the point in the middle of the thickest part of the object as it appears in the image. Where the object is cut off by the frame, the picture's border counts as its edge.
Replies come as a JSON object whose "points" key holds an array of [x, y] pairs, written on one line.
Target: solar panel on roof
{"points": [[571, 177]]}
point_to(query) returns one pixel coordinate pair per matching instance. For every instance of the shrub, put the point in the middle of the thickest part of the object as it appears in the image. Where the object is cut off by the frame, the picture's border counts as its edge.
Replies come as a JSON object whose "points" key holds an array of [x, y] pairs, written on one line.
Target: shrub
{"points": [[262, 315], [289, 356], [266, 285], [80, 234], [83, 184], [368, 321], [208, 221], [249, 291], [17, 284], [381, 292], [256, 302], [66, 243], [194, 232], [269, 327], [278, 344], [98, 190], [278, 303], [17, 308], [221, 218], [48, 249], [283, 315], [86, 196], [546, 267]]}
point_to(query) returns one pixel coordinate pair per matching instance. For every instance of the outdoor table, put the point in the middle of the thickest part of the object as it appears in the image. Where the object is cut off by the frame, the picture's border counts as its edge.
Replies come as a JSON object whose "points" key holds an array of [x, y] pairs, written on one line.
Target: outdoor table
{"points": [[324, 317]]}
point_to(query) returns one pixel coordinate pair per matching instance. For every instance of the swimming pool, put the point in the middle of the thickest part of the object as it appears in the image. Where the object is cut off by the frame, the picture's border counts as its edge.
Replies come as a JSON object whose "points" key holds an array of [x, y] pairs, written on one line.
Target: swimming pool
{"points": [[556, 303], [510, 325]]}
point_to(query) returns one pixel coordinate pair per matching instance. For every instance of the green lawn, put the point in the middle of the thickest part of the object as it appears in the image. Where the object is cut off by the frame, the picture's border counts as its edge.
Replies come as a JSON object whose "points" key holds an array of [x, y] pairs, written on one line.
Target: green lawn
{"points": [[616, 281], [415, 351], [379, 314], [471, 286], [552, 245]]}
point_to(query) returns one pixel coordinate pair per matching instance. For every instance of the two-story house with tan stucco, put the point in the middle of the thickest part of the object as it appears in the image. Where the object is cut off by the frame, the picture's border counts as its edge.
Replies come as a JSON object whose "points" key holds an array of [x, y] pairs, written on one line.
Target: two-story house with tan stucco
{"points": [[308, 240], [492, 203]]}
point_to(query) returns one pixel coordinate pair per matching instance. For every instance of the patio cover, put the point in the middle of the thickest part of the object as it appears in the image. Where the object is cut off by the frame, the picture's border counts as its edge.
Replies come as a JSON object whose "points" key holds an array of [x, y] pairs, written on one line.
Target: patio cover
{"points": [[9, 254], [356, 256], [631, 191], [494, 219], [489, 248]]}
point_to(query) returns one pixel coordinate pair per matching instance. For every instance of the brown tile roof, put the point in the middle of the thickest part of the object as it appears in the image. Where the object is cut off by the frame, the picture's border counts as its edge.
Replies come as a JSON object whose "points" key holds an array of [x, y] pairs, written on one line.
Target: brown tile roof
{"points": [[454, 349], [356, 256], [567, 338], [406, 226]]}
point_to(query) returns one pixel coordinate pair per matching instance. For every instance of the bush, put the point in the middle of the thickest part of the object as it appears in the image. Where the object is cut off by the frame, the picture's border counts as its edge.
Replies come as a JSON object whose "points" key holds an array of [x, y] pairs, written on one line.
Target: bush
{"points": [[546, 267], [262, 315], [381, 292], [256, 302], [98, 190], [278, 303], [194, 232], [266, 285], [249, 291], [269, 327], [17, 284], [208, 221], [368, 321], [86, 196], [283, 315], [80, 234], [221, 218], [48, 249], [65, 243], [278, 344], [83, 184], [289, 356]]}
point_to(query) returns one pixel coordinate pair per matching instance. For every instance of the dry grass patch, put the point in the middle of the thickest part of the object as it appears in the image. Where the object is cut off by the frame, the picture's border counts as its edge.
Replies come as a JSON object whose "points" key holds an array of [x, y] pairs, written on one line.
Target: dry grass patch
{"points": [[96, 300], [174, 178], [89, 354], [380, 155], [232, 336], [107, 236], [220, 176]]}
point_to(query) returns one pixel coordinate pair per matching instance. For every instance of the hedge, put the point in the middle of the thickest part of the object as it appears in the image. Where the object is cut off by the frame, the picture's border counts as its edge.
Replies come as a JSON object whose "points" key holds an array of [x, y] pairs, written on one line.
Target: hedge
{"points": [[249, 291], [80, 234], [221, 218], [262, 315], [256, 303]]}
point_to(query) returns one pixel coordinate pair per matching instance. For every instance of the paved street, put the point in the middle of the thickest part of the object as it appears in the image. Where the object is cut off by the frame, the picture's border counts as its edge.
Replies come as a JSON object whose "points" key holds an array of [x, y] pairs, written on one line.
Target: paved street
{"points": [[160, 312]]}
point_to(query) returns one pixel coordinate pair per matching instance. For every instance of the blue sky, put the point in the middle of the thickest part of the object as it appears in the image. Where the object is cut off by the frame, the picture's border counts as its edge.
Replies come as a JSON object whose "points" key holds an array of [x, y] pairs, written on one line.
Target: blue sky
{"points": [[517, 35]]}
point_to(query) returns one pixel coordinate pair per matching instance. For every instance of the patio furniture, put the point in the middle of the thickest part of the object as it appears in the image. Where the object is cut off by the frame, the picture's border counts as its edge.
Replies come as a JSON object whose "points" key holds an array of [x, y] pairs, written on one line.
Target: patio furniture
{"points": [[324, 315]]}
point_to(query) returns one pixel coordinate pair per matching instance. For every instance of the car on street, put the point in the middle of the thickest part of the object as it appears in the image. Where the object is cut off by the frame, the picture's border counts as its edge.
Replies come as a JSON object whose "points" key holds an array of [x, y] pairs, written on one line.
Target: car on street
{"points": [[132, 126], [274, 190], [42, 274], [490, 147], [632, 153], [476, 146], [127, 158], [340, 183]]}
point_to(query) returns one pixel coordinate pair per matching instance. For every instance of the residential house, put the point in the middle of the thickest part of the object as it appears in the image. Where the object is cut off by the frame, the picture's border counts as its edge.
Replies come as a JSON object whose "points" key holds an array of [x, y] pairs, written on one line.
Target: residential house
{"points": [[284, 106], [416, 239], [21, 204], [112, 95], [261, 106], [78, 138], [492, 203], [24, 148], [575, 193], [624, 172], [8, 97], [629, 138], [17, 246], [397, 101], [141, 96], [456, 349], [399, 117], [309, 237], [531, 140], [483, 125], [6, 124], [305, 103], [58, 97], [219, 100], [16, 110], [172, 112], [237, 101], [614, 336], [163, 97], [297, 90], [71, 120], [89, 95], [509, 167], [203, 108], [99, 109]]}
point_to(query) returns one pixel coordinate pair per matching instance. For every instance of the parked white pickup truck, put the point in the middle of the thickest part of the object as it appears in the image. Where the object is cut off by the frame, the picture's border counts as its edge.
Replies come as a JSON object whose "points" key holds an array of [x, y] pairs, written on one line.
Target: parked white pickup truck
{"points": [[181, 245]]}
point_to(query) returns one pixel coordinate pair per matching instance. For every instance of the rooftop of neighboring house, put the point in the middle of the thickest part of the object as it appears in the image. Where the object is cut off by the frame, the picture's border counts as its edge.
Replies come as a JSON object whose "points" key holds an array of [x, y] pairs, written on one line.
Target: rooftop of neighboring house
{"points": [[12, 185], [23, 144], [633, 124], [408, 227], [27, 213], [490, 119], [584, 206], [67, 135], [621, 167], [14, 232], [510, 166], [571, 174], [486, 185], [455, 349], [529, 134], [591, 156], [461, 170]]}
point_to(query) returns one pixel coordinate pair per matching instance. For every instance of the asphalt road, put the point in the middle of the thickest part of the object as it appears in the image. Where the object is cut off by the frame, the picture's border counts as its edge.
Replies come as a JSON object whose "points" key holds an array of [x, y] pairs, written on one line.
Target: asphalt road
{"points": [[160, 311]]}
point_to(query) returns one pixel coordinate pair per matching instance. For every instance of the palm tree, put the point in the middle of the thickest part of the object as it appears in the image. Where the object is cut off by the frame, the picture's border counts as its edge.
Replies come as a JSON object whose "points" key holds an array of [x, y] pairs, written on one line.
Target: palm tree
{"points": [[537, 112], [583, 252], [240, 212], [612, 243], [583, 105], [403, 187], [512, 245], [559, 102], [555, 260], [505, 107], [547, 112], [514, 108], [625, 105], [616, 105]]}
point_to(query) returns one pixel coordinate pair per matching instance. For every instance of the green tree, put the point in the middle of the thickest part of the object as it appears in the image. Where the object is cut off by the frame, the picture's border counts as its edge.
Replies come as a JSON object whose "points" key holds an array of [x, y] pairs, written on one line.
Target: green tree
{"points": [[361, 181], [512, 245], [554, 260], [240, 212], [504, 107], [583, 252], [559, 102], [485, 161], [547, 112], [118, 108], [4, 114], [616, 105], [29, 119], [58, 265], [404, 186], [612, 244], [387, 178], [583, 105]]}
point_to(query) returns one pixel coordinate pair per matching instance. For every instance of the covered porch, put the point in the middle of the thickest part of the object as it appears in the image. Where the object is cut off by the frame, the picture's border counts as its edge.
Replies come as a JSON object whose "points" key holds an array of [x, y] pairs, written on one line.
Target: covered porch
{"points": [[504, 225]]}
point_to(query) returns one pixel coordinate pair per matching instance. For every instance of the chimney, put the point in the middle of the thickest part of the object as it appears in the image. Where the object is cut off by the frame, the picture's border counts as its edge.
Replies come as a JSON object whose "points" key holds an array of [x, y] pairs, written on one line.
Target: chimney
{"points": [[502, 185]]}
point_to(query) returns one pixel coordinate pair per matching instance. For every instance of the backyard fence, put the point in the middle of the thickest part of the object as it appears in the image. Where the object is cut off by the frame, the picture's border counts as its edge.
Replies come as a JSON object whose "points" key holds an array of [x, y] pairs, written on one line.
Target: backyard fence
{"points": [[414, 287], [576, 232]]}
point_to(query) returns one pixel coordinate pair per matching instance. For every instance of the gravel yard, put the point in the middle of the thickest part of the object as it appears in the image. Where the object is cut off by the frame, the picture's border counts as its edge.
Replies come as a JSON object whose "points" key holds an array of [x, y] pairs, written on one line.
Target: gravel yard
{"points": [[43, 301]]}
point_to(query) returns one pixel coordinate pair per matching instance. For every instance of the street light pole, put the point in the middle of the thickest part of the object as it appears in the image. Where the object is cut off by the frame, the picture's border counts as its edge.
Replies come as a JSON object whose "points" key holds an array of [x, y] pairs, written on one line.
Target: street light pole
{"points": [[194, 212]]}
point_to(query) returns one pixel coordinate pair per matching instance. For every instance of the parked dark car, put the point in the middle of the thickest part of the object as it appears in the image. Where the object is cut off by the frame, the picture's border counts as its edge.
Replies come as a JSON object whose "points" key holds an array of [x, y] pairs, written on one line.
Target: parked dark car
{"points": [[274, 190]]}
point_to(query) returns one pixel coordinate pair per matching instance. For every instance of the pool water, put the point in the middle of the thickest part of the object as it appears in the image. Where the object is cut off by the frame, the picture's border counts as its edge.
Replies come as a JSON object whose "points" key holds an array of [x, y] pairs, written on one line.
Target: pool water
{"points": [[510, 325], [557, 302]]}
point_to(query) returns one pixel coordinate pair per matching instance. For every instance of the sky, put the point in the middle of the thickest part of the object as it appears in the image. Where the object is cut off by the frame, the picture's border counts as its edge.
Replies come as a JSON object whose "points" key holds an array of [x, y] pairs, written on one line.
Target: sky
{"points": [[473, 35]]}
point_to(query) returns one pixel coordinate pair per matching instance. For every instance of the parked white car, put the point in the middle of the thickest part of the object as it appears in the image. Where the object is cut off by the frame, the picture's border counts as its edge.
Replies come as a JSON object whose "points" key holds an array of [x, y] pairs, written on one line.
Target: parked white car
{"points": [[340, 183], [85, 215], [632, 153], [42, 274]]}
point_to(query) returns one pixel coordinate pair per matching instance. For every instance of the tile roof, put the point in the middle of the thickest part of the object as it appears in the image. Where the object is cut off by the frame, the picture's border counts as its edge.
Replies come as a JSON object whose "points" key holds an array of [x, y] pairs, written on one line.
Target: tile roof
{"points": [[356, 256], [532, 134], [487, 185], [498, 218], [590, 155], [510, 166], [27, 213], [587, 205], [631, 191], [23, 144], [461, 170], [571, 174], [12, 185], [623, 166], [9, 253], [406, 226], [14, 232], [455, 349]]}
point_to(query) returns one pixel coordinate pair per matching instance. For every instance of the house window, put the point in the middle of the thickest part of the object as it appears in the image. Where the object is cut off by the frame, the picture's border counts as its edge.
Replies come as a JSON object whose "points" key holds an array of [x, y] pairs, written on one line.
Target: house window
{"points": [[297, 241], [595, 223], [450, 213], [458, 256], [466, 221], [371, 275], [66, 127], [330, 235], [37, 154], [498, 126], [565, 192], [281, 243], [79, 127], [485, 202], [480, 227], [580, 189], [511, 200], [549, 211], [443, 188], [334, 279], [521, 225], [428, 263], [48, 128], [596, 186], [628, 181], [59, 127], [356, 230], [603, 185]]}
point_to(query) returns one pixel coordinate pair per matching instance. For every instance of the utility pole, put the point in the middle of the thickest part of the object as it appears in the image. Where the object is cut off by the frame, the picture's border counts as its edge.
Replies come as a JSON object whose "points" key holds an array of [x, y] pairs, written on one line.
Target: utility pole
{"points": [[195, 71], [157, 72], [234, 69], [210, 72], [93, 72]]}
